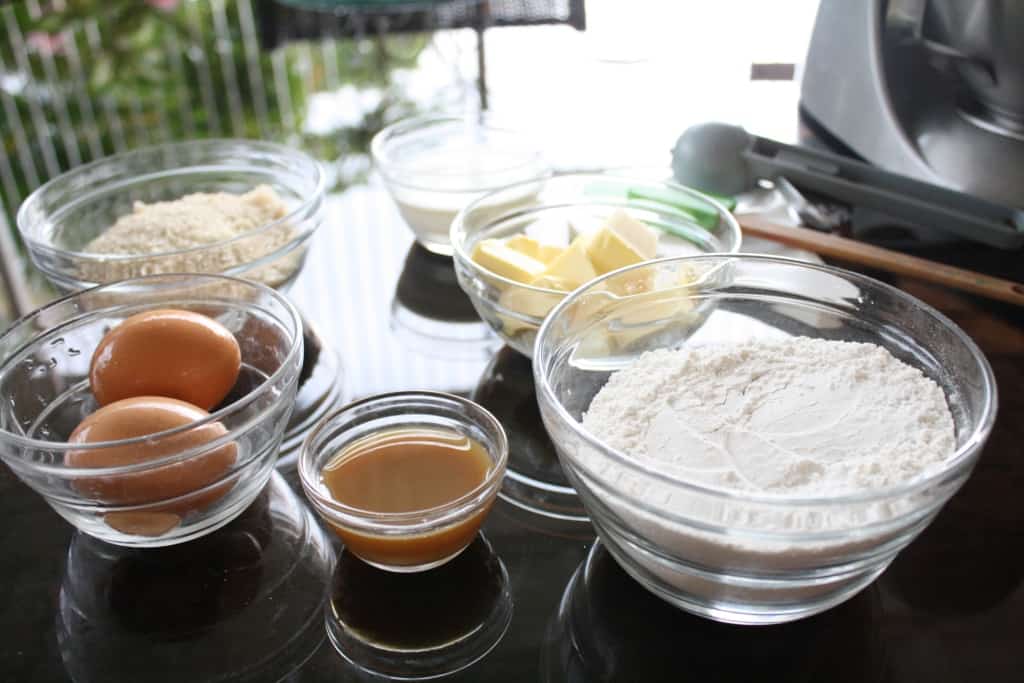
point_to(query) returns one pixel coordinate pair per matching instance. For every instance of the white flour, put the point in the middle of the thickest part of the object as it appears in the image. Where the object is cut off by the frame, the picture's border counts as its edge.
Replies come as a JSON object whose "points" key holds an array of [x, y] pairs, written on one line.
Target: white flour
{"points": [[797, 417]]}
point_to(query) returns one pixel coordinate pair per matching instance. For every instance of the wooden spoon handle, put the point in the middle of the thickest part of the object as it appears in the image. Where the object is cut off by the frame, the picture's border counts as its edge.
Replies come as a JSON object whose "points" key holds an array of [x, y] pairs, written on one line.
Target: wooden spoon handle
{"points": [[884, 259]]}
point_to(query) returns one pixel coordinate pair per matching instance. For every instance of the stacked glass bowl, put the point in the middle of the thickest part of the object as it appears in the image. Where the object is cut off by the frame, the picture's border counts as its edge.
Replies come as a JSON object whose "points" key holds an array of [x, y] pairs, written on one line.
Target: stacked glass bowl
{"points": [[62, 217]]}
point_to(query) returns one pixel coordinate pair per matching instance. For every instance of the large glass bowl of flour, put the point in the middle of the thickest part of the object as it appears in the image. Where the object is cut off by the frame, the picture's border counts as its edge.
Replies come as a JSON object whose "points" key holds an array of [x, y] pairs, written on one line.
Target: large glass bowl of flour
{"points": [[767, 458], [111, 220]]}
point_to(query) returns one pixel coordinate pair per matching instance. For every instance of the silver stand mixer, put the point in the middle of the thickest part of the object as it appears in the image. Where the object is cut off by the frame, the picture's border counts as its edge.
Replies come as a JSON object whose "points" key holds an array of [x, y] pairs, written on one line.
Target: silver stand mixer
{"points": [[932, 89]]}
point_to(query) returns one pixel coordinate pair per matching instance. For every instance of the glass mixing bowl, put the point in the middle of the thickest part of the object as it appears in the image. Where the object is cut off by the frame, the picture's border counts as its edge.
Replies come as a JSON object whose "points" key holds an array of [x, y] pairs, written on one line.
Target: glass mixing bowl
{"points": [[749, 558], [59, 219], [689, 223], [416, 540], [434, 165], [45, 394]]}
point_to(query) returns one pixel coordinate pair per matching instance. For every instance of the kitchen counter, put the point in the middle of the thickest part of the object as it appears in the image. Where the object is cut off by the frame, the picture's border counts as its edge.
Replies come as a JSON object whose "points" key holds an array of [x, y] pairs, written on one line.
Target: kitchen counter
{"points": [[238, 605]]}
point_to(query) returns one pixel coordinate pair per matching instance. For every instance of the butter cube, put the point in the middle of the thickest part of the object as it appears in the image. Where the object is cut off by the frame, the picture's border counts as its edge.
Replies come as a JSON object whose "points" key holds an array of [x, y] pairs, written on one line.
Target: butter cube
{"points": [[649, 311], [533, 248], [608, 251], [509, 263], [554, 282], [517, 302], [524, 244], [548, 252], [571, 268], [640, 236], [632, 283]]}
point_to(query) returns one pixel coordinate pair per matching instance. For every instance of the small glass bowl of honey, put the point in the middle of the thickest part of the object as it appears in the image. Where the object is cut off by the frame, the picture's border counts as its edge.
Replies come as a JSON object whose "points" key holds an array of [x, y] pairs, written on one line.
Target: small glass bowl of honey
{"points": [[405, 479]]}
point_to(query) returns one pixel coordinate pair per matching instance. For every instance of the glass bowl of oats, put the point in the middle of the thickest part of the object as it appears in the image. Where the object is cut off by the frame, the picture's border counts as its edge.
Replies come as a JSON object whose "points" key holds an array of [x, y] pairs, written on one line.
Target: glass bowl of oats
{"points": [[245, 208]]}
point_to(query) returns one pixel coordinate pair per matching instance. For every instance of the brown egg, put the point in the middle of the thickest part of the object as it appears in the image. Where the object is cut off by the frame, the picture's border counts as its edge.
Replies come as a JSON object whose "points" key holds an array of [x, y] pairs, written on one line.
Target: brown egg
{"points": [[140, 416], [167, 352]]}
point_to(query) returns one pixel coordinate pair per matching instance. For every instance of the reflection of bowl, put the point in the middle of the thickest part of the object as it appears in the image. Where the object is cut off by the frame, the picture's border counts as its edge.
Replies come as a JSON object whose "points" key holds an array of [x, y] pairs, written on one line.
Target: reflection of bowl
{"points": [[321, 388], [431, 315], [748, 557], [608, 628], [516, 310], [404, 541], [420, 625], [60, 218], [435, 165], [244, 602], [427, 287], [45, 394], [534, 479], [984, 567]]}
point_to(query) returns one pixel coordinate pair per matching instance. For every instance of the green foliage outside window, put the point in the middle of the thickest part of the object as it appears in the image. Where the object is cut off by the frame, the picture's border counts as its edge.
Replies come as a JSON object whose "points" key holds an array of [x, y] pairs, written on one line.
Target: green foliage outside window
{"points": [[146, 72]]}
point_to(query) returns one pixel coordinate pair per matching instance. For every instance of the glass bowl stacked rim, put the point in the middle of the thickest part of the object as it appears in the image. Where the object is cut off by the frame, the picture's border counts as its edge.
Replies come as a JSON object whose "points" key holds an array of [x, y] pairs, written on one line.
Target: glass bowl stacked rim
{"points": [[29, 231], [411, 521], [379, 146], [960, 459], [29, 443], [458, 232]]}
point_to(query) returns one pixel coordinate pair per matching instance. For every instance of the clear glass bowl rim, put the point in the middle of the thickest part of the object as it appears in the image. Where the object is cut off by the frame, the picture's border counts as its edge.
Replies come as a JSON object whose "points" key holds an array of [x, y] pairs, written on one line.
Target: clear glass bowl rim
{"points": [[380, 142], [458, 233], [427, 515], [295, 349], [960, 459], [306, 206]]}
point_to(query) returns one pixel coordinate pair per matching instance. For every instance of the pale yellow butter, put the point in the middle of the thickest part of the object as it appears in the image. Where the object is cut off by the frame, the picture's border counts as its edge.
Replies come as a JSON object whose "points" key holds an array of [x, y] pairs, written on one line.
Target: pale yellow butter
{"points": [[572, 267], [649, 309], [496, 257], [533, 248], [641, 237], [526, 303], [608, 251]]}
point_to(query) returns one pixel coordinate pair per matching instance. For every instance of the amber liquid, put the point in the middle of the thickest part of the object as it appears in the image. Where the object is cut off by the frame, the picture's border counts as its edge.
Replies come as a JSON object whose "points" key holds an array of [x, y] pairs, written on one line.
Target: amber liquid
{"points": [[408, 470]]}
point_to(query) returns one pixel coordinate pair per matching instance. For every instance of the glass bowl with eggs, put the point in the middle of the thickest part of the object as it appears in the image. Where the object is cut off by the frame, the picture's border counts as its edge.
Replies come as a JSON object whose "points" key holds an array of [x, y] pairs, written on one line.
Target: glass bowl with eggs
{"points": [[149, 412], [519, 250], [244, 208], [768, 460]]}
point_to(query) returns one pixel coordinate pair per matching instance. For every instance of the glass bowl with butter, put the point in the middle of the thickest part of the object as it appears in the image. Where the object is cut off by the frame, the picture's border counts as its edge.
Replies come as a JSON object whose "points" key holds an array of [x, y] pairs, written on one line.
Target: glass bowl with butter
{"points": [[405, 479], [517, 254]]}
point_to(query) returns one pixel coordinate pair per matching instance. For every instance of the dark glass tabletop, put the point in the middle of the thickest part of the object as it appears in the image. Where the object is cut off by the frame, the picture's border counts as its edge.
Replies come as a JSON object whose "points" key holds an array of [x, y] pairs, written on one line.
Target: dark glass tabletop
{"points": [[271, 596]]}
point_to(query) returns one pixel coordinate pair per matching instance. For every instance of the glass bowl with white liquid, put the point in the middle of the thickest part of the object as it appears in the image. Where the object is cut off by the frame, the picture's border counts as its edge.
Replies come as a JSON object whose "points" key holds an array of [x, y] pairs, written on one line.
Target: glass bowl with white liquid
{"points": [[435, 165], [755, 554]]}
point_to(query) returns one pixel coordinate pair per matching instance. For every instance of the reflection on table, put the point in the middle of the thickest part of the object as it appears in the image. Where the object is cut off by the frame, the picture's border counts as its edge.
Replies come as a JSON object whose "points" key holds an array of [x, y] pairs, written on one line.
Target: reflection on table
{"points": [[609, 628], [244, 601], [419, 625], [321, 388], [432, 316], [534, 479]]}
